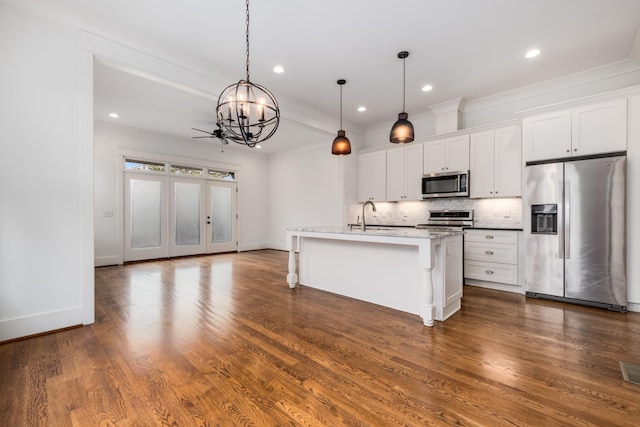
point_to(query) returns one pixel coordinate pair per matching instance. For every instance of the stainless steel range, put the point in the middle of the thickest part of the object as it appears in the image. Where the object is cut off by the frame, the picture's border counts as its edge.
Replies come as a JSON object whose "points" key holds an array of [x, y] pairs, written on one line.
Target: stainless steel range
{"points": [[448, 220]]}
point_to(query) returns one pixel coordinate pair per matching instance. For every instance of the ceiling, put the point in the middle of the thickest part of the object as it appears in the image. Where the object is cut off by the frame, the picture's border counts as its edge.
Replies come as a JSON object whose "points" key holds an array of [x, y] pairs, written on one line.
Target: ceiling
{"points": [[463, 48]]}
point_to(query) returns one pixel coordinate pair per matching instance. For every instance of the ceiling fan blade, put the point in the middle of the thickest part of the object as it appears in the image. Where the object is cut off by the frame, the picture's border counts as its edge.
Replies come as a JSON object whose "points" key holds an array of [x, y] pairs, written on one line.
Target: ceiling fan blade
{"points": [[205, 131]]}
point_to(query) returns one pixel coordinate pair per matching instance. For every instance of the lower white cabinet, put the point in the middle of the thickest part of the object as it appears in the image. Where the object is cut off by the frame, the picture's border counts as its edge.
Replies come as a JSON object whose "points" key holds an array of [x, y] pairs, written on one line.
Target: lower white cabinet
{"points": [[491, 259]]}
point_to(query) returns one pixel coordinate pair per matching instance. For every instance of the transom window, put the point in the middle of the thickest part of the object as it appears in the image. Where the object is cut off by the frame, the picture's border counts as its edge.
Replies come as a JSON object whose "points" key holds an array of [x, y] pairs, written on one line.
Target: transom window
{"points": [[176, 169], [143, 165], [224, 175], [186, 170]]}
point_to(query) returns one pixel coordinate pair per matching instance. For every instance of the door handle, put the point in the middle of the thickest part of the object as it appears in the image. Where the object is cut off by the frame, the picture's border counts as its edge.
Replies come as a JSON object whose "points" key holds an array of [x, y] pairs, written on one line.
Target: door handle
{"points": [[567, 220], [488, 252], [488, 236], [488, 271]]}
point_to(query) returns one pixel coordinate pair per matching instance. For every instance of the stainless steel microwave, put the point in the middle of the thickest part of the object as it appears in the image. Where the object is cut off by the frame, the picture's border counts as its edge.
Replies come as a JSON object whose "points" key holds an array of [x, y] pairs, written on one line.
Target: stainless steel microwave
{"points": [[446, 184]]}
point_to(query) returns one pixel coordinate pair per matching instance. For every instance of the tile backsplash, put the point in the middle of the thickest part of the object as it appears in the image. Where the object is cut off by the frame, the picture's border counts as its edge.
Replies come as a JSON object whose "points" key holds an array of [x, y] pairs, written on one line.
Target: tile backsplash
{"points": [[506, 213]]}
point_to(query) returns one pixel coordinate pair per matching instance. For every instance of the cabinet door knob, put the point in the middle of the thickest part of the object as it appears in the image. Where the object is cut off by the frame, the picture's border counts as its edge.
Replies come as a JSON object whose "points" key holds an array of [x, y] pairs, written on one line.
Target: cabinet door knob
{"points": [[575, 149], [488, 252], [568, 151], [488, 271], [488, 236]]}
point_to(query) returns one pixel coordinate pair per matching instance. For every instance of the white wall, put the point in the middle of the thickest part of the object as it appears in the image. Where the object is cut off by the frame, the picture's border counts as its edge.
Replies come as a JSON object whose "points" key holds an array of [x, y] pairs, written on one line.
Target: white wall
{"points": [[311, 187], [111, 141], [44, 205]]}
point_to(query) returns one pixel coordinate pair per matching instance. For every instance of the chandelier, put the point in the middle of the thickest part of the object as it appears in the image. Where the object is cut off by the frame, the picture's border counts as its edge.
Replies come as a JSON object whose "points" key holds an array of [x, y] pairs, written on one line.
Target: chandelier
{"points": [[247, 113]]}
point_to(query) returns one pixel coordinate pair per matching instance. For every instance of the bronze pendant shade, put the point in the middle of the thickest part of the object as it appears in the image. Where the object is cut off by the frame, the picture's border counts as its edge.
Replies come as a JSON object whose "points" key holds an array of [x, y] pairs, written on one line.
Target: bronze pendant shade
{"points": [[341, 144], [402, 130]]}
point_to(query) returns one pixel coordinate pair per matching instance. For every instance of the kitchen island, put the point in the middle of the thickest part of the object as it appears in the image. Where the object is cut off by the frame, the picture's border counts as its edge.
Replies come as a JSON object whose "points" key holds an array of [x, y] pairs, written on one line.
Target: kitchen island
{"points": [[416, 271]]}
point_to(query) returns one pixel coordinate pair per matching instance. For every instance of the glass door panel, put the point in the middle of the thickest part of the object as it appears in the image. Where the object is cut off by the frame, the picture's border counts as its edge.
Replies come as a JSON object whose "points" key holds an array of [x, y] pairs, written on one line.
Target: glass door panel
{"points": [[145, 217], [221, 217], [187, 213]]}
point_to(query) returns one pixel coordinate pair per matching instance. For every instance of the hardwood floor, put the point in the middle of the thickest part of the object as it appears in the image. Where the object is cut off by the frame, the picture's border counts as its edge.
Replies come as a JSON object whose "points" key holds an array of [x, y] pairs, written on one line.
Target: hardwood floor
{"points": [[222, 340]]}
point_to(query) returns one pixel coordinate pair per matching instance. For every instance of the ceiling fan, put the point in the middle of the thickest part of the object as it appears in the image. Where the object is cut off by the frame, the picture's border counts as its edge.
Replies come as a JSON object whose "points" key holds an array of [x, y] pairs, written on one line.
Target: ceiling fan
{"points": [[217, 133]]}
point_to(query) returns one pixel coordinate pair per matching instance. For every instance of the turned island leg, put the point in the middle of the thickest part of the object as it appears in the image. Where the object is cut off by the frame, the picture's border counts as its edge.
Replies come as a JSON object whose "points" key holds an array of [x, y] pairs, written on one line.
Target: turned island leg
{"points": [[427, 261], [292, 277]]}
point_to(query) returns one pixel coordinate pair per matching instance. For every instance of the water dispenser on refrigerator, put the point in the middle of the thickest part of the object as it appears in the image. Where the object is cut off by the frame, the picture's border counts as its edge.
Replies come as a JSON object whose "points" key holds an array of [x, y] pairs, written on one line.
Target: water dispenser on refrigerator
{"points": [[544, 219]]}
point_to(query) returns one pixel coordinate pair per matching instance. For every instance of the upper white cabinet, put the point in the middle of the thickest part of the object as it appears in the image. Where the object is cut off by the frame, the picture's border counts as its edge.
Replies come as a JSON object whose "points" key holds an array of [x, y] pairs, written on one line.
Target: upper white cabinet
{"points": [[449, 154], [496, 163], [404, 173], [372, 176], [599, 128], [590, 129]]}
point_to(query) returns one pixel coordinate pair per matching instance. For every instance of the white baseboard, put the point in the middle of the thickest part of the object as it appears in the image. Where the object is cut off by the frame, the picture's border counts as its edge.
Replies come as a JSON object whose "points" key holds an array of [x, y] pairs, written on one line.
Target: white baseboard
{"points": [[39, 323], [278, 246], [497, 286], [103, 261], [632, 306], [252, 247]]}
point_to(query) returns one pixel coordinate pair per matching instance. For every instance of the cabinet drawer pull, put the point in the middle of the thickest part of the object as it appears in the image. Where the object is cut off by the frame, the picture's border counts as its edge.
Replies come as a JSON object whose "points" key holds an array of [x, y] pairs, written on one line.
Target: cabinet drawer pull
{"points": [[488, 236], [489, 271], [488, 252]]}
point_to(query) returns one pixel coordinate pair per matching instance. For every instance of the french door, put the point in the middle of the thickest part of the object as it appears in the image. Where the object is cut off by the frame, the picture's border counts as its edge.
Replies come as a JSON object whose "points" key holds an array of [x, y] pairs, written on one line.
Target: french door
{"points": [[221, 216], [145, 217], [166, 216], [186, 212]]}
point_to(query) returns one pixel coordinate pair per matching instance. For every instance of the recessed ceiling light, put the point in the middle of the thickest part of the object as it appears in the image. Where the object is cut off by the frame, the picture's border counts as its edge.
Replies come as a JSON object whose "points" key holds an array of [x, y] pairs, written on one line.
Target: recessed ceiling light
{"points": [[114, 115], [278, 69], [362, 108], [258, 146], [532, 53], [427, 88]]}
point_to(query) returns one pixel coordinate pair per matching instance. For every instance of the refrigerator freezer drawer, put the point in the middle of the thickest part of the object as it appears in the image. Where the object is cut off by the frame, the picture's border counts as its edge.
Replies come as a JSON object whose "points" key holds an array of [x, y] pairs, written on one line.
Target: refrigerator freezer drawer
{"points": [[491, 252], [491, 272]]}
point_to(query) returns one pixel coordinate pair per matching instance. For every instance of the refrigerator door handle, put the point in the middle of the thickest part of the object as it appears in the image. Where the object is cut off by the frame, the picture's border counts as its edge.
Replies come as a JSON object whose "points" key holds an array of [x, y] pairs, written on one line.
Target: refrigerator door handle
{"points": [[567, 220], [560, 224]]}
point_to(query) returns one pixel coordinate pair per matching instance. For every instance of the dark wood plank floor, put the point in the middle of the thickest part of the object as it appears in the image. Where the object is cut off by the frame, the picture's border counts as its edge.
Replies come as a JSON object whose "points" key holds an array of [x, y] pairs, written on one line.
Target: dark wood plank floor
{"points": [[222, 340]]}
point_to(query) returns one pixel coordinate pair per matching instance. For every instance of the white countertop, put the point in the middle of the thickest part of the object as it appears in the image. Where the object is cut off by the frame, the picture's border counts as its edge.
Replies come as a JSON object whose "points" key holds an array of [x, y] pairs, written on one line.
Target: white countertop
{"points": [[390, 232]]}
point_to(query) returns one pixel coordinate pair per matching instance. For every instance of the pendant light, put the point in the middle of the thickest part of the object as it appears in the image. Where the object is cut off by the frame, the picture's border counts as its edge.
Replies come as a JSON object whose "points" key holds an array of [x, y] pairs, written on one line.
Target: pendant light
{"points": [[247, 113], [402, 130], [341, 145]]}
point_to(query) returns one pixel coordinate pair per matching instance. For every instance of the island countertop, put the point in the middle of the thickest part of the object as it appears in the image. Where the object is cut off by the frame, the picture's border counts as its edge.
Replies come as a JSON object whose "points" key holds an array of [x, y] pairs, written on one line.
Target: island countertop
{"points": [[377, 231], [413, 270]]}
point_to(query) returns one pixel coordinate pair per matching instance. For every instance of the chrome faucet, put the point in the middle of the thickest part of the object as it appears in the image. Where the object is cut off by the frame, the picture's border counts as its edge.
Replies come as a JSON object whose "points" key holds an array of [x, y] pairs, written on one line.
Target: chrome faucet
{"points": [[368, 202]]}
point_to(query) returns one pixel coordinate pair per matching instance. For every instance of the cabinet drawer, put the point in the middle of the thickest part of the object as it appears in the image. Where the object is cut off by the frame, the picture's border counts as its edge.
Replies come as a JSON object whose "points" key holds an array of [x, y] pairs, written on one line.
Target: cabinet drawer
{"points": [[491, 272], [492, 236], [491, 252]]}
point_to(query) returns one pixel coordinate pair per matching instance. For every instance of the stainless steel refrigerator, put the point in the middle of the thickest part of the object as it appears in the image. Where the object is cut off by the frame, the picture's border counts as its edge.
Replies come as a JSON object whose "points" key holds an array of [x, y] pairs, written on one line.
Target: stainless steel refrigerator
{"points": [[574, 228]]}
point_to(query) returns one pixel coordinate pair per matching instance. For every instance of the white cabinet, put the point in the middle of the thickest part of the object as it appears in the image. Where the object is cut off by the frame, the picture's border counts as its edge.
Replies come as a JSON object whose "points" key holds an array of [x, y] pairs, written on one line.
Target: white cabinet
{"points": [[599, 128], [372, 176], [447, 276], [453, 280], [404, 173], [449, 154], [496, 163], [586, 130], [491, 259]]}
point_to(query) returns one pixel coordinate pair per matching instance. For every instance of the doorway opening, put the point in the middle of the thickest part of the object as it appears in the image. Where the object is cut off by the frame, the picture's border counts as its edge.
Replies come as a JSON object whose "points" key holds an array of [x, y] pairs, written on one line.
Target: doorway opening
{"points": [[174, 210]]}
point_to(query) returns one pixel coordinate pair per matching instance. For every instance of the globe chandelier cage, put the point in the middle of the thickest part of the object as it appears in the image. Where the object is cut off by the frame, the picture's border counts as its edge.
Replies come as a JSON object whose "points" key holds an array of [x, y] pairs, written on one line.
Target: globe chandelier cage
{"points": [[247, 113]]}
